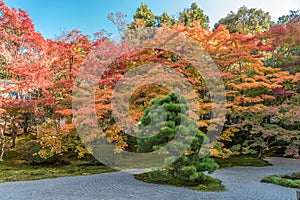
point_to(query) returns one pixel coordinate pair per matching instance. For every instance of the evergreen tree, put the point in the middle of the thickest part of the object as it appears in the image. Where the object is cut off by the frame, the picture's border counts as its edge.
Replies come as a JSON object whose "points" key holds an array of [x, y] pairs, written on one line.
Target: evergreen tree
{"points": [[144, 16], [163, 120], [194, 13], [165, 19]]}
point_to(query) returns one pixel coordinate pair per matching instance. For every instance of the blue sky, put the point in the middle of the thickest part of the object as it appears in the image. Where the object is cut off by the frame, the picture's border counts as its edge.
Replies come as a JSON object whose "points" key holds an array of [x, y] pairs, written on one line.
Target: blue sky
{"points": [[51, 17]]}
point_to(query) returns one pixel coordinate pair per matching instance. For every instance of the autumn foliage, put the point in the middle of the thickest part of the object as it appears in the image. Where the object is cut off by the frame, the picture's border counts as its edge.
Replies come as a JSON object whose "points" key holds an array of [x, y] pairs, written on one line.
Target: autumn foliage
{"points": [[261, 75]]}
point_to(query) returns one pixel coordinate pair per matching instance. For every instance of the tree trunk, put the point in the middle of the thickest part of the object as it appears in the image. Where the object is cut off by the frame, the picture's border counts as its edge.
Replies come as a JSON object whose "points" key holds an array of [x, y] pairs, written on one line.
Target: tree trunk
{"points": [[261, 152], [13, 137], [25, 130], [2, 150], [2, 132]]}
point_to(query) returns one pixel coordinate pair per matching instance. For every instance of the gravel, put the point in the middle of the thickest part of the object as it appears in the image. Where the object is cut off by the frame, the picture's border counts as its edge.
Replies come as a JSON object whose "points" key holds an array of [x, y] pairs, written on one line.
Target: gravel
{"points": [[241, 183]]}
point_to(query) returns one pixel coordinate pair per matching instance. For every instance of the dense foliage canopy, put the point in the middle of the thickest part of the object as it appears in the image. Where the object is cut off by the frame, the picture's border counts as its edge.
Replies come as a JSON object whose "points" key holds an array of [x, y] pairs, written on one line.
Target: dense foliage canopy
{"points": [[257, 59]]}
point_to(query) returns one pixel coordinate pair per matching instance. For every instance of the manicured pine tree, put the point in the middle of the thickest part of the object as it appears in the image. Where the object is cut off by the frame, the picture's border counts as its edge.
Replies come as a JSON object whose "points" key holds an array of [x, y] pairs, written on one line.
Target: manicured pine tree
{"points": [[165, 118]]}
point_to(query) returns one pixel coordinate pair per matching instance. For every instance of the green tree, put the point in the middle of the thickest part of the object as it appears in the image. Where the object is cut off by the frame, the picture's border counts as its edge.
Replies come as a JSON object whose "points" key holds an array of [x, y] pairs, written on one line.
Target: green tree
{"points": [[143, 13], [194, 13], [247, 20], [163, 120], [165, 19], [294, 14]]}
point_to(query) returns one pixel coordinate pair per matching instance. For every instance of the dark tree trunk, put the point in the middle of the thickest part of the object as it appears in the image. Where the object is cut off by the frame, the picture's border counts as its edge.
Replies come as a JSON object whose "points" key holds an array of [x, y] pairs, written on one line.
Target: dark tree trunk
{"points": [[261, 152]]}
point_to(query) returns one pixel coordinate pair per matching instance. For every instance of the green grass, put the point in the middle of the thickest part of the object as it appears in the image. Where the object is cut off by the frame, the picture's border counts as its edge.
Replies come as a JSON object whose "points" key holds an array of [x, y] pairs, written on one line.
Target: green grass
{"points": [[13, 171], [210, 184], [19, 165], [241, 160], [16, 168], [292, 181]]}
